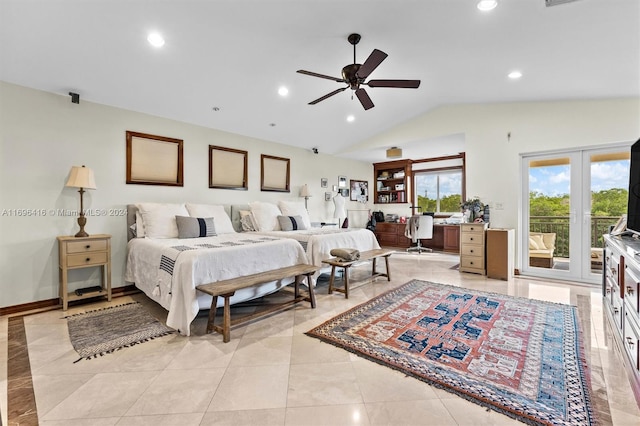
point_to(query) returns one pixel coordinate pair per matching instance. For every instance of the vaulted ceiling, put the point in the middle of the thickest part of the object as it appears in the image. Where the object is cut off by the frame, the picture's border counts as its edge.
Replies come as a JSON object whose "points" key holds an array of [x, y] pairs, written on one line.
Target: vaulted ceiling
{"points": [[223, 61]]}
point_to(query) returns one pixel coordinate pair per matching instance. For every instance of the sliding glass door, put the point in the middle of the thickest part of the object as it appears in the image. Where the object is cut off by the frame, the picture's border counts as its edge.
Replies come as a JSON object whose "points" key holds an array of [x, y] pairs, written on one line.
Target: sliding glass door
{"points": [[569, 201]]}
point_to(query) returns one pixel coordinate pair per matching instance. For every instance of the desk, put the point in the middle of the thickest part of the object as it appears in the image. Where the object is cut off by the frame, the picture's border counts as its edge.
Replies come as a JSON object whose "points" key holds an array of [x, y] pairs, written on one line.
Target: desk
{"points": [[445, 237]]}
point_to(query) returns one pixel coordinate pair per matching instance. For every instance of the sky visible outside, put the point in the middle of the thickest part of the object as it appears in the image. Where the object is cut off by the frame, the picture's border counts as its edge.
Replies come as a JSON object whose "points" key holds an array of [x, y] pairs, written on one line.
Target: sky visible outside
{"points": [[554, 180], [450, 183]]}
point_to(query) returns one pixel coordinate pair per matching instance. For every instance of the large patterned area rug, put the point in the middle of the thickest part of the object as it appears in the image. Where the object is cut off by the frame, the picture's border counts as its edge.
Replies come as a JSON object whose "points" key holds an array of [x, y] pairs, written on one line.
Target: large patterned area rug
{"points": [[521, 357], [103, 331]]}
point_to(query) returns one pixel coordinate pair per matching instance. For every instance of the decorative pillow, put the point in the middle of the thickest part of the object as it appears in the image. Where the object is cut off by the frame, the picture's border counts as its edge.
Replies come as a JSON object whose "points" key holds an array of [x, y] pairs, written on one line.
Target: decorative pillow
{"points": [[532, 244], [291, 223], [295, 208], [537, 239], [160, 219], [265, 216], [195, 227], [217, 212], [246, 221], [139, 226]]}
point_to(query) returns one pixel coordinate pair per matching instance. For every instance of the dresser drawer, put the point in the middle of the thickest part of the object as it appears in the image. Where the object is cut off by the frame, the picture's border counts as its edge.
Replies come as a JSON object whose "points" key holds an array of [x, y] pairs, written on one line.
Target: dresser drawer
{"points": [[476, 262], [86, 259], [86, 246], [471, 238], [468, 228], [631, 341], [471, 250], [631, 287]]}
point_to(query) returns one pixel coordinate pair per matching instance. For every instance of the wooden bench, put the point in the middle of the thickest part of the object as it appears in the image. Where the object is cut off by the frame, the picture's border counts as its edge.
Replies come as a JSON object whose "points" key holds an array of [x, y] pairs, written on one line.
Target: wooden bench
{"points": [[227, 288], [373, 255]]}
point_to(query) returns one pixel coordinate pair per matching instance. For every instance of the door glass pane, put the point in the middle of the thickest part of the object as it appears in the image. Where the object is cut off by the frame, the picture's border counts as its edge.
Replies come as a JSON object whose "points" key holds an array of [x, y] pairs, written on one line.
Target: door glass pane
{"points": [[609, 197], [549, 213]]}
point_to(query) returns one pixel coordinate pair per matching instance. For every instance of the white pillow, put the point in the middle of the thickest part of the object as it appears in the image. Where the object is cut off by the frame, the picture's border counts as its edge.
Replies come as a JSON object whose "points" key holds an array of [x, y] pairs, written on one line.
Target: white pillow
{"points": [[295, 208], [160, 219], [139, 225], [265, 216], [220, 217], [246, 221], [538, 242]]}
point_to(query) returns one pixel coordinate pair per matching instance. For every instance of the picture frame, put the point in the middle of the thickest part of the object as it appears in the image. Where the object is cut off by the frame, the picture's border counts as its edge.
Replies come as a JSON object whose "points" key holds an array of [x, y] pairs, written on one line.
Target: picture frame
{"points": [[327, 196], [344, 192], [228, 168], [342, 182], [274, 173], [620, 227], [334, 188], [359, 190], [324, 182], [154, 160]]}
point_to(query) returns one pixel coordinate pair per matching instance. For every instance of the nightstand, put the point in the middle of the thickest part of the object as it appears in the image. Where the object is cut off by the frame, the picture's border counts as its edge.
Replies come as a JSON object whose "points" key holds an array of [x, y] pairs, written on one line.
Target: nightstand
{"points": [[84, 252]]}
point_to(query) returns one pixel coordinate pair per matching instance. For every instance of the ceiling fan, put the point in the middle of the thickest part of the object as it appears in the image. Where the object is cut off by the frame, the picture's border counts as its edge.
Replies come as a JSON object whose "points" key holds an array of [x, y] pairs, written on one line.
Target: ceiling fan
{"points": [[356, 74]]}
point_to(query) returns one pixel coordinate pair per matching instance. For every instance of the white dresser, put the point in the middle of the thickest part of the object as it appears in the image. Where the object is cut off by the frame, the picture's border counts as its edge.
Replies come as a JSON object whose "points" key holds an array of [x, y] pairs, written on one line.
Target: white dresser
{"points": [[472, 247]]}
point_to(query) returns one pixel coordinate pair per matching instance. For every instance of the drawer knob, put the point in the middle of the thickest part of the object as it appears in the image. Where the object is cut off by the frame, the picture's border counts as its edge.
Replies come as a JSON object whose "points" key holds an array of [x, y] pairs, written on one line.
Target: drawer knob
{"points": [[471, 263], [88, 246], [471, 251], [471, 239], [629, 290], [616, 310], [88, 259], [630, 341]]}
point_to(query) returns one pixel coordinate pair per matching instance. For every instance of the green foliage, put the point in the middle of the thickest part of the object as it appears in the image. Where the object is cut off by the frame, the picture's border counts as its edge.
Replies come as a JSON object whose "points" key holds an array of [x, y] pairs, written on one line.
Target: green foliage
{"points": [[448, 204], [608, 202]]}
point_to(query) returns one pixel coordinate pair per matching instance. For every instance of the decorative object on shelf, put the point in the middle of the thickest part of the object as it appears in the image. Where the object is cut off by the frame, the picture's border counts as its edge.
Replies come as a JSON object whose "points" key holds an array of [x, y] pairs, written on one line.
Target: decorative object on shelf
{"points": [[475, 208], [324, 182], [394, 152], [359, 190], [304, 192], [81, 177]]}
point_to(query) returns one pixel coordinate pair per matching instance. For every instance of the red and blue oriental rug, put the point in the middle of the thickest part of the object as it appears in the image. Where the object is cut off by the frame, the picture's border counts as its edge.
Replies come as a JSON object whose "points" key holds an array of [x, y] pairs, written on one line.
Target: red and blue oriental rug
{"points": [[521, 357]]}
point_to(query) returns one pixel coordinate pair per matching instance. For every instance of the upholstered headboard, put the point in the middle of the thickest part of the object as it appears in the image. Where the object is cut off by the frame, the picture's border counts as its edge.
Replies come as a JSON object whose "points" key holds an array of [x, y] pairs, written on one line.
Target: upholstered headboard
{"points": [[131, 219], [235, 215]]}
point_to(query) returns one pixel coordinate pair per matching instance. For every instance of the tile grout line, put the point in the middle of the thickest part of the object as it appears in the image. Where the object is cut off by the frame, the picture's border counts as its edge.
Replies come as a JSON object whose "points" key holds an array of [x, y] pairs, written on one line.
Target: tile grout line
{"points": [[21, 401]]}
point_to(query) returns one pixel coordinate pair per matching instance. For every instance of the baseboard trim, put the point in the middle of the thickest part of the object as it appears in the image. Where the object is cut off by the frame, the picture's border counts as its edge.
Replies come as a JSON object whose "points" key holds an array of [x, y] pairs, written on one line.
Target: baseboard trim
{"points": [[51, 304]]}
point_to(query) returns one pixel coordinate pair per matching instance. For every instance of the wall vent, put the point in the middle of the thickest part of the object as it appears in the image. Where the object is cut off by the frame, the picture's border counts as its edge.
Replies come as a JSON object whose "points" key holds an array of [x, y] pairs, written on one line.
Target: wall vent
{"points": [[557, 2]]}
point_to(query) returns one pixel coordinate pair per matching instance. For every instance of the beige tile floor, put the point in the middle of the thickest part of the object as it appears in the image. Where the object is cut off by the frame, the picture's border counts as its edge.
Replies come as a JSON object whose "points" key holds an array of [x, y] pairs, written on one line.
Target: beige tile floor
{"points": [[272, 374]]}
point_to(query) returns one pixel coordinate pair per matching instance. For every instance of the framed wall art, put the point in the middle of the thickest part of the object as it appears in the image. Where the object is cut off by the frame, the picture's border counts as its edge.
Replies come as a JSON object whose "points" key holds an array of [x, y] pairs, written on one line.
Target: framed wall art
{"points": [[274, 174], [359, 190], [324, 182], [154, 160], [227, 168], [342, 182]]}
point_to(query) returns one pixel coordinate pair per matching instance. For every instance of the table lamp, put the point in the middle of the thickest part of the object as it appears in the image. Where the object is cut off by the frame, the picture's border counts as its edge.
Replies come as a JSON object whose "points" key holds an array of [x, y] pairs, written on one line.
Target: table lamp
{"points": [[304, 192], [81, 177]]}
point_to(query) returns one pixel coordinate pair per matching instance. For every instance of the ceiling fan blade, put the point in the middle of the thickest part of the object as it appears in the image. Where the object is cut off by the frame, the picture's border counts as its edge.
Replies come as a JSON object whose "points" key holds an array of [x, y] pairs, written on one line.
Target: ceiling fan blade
{"points": [[315, 74], [372, 62], [404, 84], [364, 98], [328, 95]]}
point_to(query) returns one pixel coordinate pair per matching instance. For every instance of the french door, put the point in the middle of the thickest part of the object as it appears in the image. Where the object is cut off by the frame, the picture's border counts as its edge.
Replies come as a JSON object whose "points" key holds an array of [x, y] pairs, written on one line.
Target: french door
{"points": [[569, 200]]}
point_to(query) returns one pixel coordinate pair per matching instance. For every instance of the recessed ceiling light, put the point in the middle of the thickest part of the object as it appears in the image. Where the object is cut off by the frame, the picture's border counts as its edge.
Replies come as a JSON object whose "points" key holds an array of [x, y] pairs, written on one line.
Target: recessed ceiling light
{"points": [[155, 39], [350, 118], [486, 5], [283, 91], [514, 75], [215, 109]]}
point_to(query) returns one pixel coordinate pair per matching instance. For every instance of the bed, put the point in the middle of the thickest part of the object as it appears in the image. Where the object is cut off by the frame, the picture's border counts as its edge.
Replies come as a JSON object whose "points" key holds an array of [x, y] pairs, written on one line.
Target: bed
{"points": [[317, 242], [167, 269]]}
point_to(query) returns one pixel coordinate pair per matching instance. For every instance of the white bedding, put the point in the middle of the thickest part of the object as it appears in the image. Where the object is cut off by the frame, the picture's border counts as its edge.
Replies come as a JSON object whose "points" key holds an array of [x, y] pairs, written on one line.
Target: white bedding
{"points": [[253, 254], [320, 241]]}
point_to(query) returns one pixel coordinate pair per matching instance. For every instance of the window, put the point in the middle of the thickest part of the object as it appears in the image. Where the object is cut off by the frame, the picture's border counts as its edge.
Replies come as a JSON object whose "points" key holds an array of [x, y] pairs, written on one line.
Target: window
{"points": [[439, 184]]}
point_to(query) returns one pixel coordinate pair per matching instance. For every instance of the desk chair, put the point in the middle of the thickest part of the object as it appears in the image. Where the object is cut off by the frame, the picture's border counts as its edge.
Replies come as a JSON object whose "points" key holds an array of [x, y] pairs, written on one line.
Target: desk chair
{"points": [[419, 227]]}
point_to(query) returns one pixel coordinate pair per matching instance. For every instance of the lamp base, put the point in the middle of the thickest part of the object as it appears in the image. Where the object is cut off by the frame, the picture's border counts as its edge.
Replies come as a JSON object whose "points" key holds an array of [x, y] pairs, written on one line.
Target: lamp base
{"points": [[81, 221]]}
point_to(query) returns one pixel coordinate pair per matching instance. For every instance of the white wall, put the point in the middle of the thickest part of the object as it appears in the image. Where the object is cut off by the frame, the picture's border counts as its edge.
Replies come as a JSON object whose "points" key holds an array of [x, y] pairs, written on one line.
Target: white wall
{"points": [[493, 166], [44, 134]]}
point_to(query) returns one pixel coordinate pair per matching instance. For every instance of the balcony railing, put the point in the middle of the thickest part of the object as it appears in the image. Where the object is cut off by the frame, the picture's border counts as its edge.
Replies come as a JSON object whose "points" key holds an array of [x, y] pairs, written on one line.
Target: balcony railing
{"points": [[560, 226]]}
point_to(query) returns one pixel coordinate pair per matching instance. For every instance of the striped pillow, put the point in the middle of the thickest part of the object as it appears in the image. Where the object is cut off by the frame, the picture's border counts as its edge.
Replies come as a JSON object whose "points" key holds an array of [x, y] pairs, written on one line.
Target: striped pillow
{"points": [[195, 227], [291, 223]]}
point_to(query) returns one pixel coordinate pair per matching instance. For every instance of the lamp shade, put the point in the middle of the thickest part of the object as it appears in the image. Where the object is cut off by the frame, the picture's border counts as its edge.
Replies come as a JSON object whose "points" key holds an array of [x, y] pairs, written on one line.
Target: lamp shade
{"points": [[304, 191], [81, 177], [394, 152]]}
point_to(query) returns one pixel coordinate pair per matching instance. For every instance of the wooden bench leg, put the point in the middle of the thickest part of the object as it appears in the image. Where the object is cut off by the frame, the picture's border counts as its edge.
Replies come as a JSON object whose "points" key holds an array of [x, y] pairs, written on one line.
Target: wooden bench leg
{"points": [[345, 272], [312, 295], [333, 275], [386, 264], [212, 315], [226, 325]]}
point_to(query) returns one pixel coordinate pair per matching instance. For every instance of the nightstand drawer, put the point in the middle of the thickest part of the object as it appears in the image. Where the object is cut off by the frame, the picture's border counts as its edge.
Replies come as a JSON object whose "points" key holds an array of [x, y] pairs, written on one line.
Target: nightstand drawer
{"points": [[86, 259], [86, 246], [472, 250], [471, 238], [472, 262]]}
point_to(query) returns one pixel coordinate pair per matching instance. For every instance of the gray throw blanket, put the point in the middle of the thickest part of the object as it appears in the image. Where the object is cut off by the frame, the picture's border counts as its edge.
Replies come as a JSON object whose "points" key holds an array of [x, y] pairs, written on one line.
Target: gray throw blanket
{"points": [[345, 253]]}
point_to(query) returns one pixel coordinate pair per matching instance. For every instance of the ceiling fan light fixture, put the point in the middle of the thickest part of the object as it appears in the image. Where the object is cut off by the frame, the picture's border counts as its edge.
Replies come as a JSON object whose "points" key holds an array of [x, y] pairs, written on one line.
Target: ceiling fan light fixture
{"points": [[487, 5], [394, 152]]}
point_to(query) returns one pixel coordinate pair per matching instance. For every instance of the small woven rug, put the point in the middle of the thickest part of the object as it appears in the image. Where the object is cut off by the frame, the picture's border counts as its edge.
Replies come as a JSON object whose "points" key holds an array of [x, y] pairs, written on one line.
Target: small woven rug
{"points": [[521, 357], [103, 331]]}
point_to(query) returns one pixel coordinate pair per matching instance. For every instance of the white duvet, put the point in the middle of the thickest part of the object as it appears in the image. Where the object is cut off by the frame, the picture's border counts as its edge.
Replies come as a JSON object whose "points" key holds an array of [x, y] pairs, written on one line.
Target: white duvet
{"points": [[205, 265], [320, 241]]}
